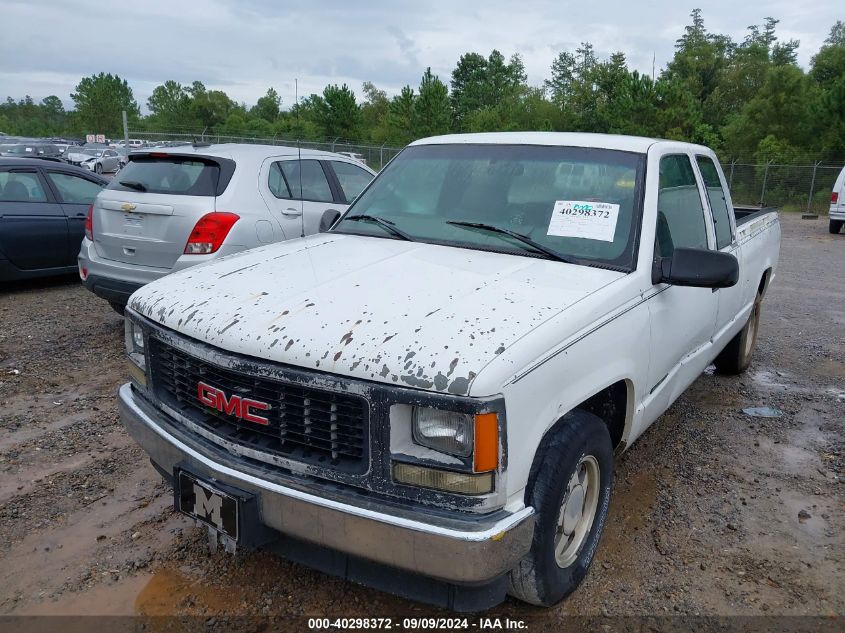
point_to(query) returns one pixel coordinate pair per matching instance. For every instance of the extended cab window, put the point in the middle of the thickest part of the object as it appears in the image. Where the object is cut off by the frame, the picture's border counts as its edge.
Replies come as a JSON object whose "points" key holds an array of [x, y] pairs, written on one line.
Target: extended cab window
{"points": [[583, 204], [680, 215], [716, 198]]}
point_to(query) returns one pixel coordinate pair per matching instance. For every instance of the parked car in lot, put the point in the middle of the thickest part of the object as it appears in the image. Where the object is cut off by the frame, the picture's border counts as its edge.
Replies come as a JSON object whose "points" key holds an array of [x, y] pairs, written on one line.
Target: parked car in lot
{"points": [[43, 207], [174, 208], [837, 203], [97, 159], [436, 387], [28, 150]]}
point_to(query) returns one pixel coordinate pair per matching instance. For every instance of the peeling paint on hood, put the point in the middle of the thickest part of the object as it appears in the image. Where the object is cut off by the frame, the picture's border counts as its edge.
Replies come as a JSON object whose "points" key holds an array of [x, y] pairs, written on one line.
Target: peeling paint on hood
{"points": [[398, 312]]}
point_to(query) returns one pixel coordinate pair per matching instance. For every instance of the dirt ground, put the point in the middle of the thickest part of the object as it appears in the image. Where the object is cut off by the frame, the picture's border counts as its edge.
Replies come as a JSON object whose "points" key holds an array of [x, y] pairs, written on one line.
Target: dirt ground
{"points": [[714, 512]]}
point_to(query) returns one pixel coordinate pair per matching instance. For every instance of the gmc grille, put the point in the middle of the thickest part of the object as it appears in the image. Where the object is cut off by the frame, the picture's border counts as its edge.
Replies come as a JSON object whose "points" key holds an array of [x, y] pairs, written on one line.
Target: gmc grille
{"points": [[306, 424]]}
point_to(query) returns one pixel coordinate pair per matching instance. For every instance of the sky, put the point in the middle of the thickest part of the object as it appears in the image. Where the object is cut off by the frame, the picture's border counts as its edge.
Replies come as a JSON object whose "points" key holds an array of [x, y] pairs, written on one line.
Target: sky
{"points": [[245, 46]]}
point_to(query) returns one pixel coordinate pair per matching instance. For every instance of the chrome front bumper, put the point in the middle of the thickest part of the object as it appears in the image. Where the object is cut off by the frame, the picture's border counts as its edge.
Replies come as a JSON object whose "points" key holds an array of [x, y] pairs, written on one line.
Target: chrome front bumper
{"points": [[466, 551]]}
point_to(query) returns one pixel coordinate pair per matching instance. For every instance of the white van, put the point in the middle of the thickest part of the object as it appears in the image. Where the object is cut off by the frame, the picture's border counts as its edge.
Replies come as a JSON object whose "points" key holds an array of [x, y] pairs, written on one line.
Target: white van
{"points": [[837, 203]]}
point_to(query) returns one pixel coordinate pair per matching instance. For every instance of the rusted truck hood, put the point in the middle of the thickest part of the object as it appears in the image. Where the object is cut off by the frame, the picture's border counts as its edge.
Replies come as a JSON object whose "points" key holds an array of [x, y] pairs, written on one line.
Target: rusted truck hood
{"points": [[413, 314]]}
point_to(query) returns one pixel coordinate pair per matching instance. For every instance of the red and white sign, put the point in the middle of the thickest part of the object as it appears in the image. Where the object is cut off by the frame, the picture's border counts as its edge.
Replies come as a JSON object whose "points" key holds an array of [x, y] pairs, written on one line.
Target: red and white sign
{"points": [[90, 138]]}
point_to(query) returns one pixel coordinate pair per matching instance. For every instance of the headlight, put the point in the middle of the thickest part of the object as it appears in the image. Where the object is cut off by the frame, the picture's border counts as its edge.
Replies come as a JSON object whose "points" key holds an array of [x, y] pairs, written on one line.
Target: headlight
{"points": [[443, 431], [134, 339]]}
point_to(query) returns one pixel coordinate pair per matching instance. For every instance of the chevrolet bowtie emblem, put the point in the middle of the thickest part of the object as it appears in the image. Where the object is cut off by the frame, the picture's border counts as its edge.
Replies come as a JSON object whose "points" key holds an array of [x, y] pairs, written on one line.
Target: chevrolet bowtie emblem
{"points": [[127, 206]]}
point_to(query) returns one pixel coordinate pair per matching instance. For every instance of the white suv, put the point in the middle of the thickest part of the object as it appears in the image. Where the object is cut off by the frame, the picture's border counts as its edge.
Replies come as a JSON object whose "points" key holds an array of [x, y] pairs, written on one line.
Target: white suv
{"points": [[172, 208]]}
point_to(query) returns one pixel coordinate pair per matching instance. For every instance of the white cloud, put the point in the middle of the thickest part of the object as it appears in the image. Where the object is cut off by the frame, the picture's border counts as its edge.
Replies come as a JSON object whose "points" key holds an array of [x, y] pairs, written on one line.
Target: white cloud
{"points": [[246, 46]]}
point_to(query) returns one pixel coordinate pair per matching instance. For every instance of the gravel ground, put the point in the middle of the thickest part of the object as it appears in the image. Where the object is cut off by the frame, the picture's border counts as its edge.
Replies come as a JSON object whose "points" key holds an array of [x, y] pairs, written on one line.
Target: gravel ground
{"points": [[714, 512]]}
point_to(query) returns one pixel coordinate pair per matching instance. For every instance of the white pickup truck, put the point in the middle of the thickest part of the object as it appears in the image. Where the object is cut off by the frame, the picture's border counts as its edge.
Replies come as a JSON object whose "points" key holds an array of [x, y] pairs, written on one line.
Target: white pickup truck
{"points": [[428, 397]]}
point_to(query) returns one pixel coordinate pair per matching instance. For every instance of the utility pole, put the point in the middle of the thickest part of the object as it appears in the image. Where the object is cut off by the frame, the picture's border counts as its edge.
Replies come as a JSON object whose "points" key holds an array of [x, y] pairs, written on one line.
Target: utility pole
{"points": [[125, 132]]}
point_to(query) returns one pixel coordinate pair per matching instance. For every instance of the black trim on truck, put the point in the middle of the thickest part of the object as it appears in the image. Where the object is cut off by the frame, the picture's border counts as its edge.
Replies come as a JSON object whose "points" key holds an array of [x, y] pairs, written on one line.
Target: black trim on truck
{"points": [[747, 213]]}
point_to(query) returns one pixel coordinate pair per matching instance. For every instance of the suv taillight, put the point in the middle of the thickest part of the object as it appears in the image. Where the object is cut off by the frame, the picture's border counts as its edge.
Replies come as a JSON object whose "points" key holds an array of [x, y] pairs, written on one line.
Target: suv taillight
{"points": [[89, 223], [834, 197], [209, 233]]}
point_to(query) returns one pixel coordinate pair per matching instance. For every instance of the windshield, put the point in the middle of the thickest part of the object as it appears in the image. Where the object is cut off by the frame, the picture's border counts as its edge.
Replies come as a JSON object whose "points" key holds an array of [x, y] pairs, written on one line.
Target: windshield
{"points": [[581, 203], [91, 152]]}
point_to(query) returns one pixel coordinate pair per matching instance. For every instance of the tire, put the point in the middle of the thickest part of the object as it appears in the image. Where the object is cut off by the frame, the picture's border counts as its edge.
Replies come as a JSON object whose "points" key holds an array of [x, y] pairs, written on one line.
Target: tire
{"points": [[98, 168], [118, 307], [835, 226], [581, 442], [736, 357]]}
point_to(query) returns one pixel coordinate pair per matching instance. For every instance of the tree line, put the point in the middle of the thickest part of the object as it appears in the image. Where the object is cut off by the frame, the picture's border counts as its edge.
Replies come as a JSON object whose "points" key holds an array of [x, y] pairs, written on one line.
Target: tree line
{"points": [[747, 99]]}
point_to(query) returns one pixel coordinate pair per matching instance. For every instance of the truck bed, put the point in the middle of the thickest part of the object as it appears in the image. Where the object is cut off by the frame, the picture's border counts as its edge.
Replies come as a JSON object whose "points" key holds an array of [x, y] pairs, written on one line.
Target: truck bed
{"points": [[746, 213]]}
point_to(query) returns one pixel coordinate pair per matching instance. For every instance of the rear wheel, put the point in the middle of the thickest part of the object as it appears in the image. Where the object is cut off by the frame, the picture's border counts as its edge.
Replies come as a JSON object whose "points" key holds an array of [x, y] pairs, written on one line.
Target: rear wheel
{"points": [[569, 486], [118, 307], [835, 226], [736, 357]]}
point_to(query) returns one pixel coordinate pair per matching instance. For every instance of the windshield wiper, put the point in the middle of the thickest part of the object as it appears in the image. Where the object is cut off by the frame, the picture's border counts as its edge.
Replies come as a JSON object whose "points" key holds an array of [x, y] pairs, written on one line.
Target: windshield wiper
{"points": [[132, 184], [387, 225], [517, 236]]}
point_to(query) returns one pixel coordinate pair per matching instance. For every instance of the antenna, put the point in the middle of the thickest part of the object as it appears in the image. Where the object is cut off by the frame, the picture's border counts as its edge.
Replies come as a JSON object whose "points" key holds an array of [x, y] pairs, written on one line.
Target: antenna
{"points": [[301, 201]]}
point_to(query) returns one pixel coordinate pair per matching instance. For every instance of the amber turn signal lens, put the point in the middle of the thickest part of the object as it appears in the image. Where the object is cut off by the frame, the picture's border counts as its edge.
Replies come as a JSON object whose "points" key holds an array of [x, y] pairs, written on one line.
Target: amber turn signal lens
{"points": [[461, 483], [486, 442]]}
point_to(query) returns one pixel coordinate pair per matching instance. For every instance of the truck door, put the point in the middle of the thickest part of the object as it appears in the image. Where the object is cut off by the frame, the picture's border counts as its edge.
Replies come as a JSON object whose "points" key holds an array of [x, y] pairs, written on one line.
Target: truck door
{"points": [[682, 319], [724, 224]]}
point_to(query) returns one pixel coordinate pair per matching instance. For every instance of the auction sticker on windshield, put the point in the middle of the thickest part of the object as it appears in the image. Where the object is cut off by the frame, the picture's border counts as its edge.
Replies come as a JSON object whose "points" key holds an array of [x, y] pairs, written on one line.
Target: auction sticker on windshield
{"points": [[584, 219]]}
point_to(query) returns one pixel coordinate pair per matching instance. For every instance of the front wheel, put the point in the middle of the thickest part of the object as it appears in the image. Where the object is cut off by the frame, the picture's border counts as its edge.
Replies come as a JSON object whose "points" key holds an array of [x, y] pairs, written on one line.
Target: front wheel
{"points": [[569, 486], [835, 226], [736, 357], [98, 168]]}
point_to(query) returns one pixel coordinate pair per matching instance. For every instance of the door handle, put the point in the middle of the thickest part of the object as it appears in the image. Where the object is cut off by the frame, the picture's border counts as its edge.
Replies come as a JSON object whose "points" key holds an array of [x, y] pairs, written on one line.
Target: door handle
{"points": [[292, 212]]}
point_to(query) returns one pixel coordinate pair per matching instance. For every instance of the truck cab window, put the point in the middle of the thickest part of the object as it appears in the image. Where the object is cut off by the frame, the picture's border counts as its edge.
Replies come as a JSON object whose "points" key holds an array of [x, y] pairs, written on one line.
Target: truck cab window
{"points": [[680, 215], [716, 198]]}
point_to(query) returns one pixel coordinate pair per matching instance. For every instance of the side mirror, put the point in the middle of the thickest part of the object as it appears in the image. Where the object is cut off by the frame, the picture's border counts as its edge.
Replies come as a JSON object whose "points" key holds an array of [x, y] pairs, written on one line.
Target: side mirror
{"points": [[330, 216], [697, 268]]}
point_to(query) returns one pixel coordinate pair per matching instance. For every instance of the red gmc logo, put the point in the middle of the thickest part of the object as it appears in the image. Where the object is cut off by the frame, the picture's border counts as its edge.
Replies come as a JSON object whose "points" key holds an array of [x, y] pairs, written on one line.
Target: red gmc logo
{"points": [[235, 405]]}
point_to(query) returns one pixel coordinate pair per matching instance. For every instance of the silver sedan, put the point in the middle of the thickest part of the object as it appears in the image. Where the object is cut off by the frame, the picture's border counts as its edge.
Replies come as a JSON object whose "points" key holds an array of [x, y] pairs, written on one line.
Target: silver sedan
{"points": [[99, 160]]}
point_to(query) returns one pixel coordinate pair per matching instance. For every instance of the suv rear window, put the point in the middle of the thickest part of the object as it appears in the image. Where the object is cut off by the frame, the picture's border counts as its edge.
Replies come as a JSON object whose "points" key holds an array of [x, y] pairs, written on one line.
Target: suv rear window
{"points": [[173, 175]]}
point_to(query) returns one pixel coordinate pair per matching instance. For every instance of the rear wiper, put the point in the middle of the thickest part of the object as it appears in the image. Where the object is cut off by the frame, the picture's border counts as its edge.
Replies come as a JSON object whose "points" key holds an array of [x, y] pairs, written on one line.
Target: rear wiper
{"points": [[132, 184], [383, 223], [517, 236]]}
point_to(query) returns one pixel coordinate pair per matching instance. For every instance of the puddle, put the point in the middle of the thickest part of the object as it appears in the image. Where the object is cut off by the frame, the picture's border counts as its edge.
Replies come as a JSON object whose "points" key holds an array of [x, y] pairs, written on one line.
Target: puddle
{"points": [[770, 380], [170, 591]]}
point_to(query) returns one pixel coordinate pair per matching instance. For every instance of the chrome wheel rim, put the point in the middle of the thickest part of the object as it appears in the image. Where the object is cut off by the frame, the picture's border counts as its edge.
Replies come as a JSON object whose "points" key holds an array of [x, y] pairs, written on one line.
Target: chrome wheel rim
{"points": [[577, 511]]}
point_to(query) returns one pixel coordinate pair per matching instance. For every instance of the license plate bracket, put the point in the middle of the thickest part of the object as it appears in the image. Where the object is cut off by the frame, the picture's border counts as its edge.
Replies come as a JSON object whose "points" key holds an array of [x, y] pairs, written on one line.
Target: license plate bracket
{"points": [[208, 502]]}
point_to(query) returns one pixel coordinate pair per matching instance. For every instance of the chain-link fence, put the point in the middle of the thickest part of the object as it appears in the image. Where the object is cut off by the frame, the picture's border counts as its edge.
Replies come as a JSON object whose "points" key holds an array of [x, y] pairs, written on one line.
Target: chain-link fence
{"points": [[804, 188], [376, 156]]}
